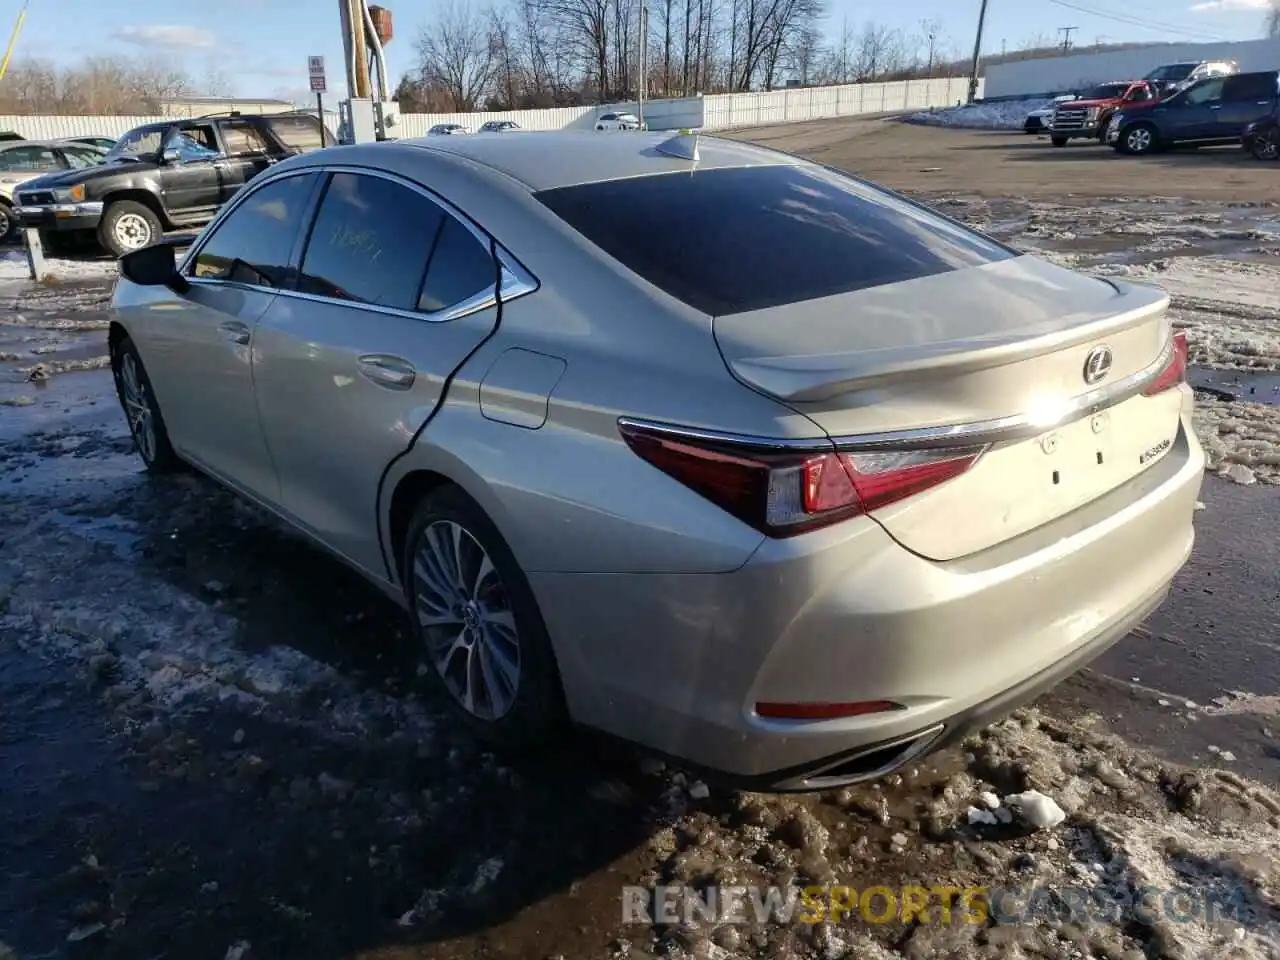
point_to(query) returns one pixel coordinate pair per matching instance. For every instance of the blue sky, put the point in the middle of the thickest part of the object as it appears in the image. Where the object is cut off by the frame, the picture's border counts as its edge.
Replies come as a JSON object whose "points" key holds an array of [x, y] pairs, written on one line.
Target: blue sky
{"points": [[262, 45]]}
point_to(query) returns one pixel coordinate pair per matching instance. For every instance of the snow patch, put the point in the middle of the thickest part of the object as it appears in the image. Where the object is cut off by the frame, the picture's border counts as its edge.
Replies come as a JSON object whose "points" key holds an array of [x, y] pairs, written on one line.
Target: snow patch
{"points": [[1005, 115]]}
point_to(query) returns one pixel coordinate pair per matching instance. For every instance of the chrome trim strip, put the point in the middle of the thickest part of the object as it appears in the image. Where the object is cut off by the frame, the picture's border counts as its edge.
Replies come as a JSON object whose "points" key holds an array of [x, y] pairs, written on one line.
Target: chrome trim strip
{"points": [[974, 434], [514, 282], [917, 745], [766, 444]]}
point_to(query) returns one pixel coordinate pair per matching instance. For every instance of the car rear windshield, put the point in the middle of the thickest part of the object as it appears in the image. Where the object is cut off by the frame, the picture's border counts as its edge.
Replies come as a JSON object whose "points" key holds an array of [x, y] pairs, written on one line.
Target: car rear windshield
{"points": [[301, 133], [1108, 91], [1174, 72], [747, 238]]}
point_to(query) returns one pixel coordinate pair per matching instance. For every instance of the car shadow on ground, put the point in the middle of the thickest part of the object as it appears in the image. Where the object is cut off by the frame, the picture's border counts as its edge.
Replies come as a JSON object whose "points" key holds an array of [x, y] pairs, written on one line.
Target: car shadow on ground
{"points": [[1088, 151], [222, 822]]}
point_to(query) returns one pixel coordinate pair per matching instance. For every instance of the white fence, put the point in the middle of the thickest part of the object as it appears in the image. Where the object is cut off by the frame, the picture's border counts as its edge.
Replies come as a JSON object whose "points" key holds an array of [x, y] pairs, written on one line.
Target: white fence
{"points": [[718, 112], [1054, 74]]}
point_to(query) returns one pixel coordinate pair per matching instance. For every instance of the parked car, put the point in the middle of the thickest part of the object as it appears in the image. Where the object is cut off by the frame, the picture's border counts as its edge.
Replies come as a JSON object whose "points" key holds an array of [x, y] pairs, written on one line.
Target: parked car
{"points": [[446, 130], [104, 143], [499, 126], [161, 176], [618, 121], [1213, 110], [24, 161], [1173, 77], [1089, 115], [1038, 120], [1262, 138], [719, 517]]}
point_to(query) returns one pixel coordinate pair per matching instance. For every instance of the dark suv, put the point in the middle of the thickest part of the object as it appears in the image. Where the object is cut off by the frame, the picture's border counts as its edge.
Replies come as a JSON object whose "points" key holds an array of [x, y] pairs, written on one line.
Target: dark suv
{"points": [[164, 175], [1213, 110]]}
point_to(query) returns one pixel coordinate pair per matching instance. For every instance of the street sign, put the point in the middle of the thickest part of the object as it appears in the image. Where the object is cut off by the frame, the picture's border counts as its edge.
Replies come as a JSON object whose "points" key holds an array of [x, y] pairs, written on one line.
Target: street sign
{"points": [[315, 67]]}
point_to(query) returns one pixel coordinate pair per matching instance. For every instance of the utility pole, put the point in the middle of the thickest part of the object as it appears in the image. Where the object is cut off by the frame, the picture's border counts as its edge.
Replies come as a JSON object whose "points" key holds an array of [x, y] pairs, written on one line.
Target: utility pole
{"points": [[644, 62], [1066, 37], [977, 53], [1004, 49]]}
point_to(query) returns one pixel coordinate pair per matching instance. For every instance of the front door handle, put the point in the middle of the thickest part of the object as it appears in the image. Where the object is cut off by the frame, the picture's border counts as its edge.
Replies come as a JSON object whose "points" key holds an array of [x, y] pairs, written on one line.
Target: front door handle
{"points": [[387, 371], [235, 331], [1215, 106]]}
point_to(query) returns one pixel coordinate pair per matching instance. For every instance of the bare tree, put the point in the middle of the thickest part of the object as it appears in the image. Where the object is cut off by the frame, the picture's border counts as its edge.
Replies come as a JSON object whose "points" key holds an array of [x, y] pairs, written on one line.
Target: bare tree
{"points": [[455, 54], [1272, 24], [584, 25]]}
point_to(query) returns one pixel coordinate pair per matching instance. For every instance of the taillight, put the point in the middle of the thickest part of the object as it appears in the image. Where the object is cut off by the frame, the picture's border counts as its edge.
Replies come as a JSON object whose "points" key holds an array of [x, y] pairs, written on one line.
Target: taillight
{"points": [[1175, 373], [782, 494]]}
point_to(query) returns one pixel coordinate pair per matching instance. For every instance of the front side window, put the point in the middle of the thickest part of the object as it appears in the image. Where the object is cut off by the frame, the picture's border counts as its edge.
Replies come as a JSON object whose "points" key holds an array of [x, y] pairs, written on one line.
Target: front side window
{"points": [[748, 238], [193, 144], [254, 244], [29, 160], [1206, 91]]}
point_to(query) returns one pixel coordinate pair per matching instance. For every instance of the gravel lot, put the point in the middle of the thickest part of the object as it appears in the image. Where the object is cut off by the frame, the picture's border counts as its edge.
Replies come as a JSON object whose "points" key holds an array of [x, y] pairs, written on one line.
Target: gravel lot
{"points": [[215, 742]]}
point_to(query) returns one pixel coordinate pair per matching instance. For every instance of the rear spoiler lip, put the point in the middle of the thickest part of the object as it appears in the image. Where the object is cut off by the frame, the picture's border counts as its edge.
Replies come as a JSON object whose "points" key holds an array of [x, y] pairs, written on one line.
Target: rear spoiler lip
{"points": [[974, 434], [784, 377]]}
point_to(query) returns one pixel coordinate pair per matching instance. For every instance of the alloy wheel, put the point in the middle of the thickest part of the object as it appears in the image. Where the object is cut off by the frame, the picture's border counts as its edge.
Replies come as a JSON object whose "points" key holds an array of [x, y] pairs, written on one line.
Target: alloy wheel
{"points": [[132, 231], [1139, 140], [467, 620], [137, 407]]}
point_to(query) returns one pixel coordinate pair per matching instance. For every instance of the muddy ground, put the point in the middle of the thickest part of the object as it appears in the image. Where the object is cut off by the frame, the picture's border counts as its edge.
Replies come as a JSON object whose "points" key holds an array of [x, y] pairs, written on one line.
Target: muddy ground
{"points": [[215, 742]]}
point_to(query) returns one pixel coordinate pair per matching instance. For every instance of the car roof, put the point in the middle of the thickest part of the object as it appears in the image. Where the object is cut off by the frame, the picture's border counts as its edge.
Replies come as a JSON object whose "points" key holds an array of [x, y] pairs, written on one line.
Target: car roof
{"points": [[546, 160], [11, 144]]}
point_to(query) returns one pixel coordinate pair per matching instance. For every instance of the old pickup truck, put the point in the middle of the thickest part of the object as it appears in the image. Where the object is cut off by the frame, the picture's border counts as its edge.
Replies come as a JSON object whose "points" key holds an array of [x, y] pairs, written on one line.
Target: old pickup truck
{"points": [[162, 176]]}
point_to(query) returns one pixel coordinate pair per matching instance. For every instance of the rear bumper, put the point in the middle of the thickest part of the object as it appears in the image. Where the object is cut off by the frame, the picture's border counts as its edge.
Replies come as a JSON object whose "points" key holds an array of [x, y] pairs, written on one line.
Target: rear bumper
{"points": [[678, 662], [61, 216]]}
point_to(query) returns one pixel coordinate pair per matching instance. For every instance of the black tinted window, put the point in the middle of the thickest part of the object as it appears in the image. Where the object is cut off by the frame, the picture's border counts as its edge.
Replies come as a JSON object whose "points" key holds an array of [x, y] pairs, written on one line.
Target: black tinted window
{"points": [[371, 242], [254, 243], [460, 268], [728, 241], [1250, 86]]}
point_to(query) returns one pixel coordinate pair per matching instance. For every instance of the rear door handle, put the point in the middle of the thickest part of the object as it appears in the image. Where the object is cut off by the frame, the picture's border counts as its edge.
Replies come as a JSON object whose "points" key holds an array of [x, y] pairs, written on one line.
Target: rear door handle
{"points": [[235, 331], [386, 371], [1215, 106]]}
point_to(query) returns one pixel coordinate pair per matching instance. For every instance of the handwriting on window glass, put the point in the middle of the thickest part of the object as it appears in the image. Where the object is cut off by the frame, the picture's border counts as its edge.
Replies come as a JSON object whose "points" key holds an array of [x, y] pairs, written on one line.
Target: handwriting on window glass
{"points": [[363, 243]]}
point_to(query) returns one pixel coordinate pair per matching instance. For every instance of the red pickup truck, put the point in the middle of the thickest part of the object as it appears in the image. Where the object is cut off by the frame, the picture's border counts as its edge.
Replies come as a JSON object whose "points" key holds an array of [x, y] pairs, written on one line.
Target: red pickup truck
{"points": [[1089, 116]]}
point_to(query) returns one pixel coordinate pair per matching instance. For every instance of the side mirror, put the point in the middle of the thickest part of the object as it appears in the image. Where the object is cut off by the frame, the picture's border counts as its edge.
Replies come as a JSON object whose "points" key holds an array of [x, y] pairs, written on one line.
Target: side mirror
{"points": [[154, 266], [171, 157]]}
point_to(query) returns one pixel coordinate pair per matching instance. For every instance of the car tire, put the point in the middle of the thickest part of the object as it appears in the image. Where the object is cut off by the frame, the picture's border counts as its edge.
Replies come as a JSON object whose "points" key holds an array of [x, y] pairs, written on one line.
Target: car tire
{"points": [[491, 604], [1138, 140], [127, 226], [9, 224], [1059, 141], [1266, 145], [142, 410]]}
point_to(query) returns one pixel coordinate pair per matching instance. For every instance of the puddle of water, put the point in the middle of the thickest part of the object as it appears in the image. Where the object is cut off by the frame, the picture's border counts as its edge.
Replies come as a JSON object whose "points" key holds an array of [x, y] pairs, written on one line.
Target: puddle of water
{"points": [[1256, 387]]}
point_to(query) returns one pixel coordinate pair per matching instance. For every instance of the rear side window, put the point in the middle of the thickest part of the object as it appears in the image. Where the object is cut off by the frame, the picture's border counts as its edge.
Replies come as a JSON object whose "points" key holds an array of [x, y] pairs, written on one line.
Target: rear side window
{"points": [[460, 268], [371, 242], [254, 244], [747, 238], [1250, 86], [300, 133]]}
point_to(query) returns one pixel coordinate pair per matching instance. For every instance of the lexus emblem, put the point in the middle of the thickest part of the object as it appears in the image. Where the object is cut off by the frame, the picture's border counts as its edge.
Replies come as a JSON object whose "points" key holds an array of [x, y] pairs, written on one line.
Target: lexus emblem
{"points": [[1097, 364]]}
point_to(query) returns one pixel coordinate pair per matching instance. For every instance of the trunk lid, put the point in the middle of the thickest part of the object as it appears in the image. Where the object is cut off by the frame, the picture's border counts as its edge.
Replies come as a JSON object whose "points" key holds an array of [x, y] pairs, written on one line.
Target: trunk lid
{"points": [[998, 351]]}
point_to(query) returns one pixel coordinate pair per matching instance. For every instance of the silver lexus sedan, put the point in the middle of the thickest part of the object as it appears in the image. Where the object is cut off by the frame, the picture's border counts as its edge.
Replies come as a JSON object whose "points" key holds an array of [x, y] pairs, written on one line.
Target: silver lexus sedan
{"points": [[690, 441]]}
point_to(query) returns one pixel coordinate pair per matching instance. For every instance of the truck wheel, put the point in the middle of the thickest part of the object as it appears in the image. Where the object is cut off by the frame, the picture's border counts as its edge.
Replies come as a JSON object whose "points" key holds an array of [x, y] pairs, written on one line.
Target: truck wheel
{"points": [[1138, 139], [1266, 145], [1059, 141], [127, 226], [8, 223]]}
